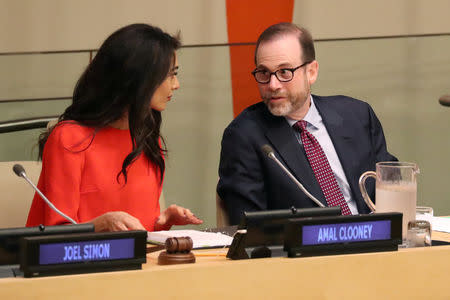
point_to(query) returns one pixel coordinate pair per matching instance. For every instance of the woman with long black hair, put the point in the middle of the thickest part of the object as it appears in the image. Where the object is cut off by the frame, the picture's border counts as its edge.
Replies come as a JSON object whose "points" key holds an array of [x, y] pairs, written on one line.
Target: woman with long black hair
{"points": [[103, 162]]}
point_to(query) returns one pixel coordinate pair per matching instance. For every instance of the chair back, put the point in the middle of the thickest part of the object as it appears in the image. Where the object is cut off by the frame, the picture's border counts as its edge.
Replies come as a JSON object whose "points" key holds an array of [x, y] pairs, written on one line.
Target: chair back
{"points": [[16, 193], [221, 214]]}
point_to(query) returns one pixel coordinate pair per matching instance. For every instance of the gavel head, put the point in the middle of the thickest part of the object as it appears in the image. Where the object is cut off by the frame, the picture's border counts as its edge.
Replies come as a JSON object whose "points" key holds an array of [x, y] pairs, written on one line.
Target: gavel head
{"points": [[179, 244]]}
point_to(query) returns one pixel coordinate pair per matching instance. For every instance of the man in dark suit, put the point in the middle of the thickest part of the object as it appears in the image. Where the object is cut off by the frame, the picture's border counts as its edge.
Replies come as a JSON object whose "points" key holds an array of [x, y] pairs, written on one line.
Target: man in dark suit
{"points": [[326, 142]]}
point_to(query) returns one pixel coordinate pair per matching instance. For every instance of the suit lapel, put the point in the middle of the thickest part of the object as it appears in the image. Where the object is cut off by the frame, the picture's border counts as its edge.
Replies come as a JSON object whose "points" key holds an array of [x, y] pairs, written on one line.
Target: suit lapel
{"points": [[282, 137]]}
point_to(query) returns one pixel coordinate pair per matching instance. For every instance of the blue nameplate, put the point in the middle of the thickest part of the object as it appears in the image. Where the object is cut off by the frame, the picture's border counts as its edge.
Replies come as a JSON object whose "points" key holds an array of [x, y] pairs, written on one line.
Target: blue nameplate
{"points": [[346, 232], [63, 253], [83, 253], [343, 234]]}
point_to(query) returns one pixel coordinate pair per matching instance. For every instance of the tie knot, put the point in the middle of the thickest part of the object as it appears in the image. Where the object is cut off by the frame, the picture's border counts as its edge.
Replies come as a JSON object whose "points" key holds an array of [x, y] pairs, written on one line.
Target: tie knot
{"points": [[301, 125]]}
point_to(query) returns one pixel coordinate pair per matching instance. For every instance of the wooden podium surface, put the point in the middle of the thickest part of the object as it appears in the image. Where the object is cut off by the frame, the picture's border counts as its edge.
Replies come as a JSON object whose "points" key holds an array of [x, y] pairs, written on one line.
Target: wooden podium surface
{"points": [[418, 273]]}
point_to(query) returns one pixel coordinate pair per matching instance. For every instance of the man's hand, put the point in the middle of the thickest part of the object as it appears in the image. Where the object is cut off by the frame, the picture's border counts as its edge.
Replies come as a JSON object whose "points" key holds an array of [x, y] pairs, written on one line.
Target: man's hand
{"points": [[116, 221], [175, 215]]}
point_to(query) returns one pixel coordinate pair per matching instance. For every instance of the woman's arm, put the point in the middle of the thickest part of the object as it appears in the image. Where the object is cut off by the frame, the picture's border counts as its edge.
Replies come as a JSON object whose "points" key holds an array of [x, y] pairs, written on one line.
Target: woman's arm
{"points": [[59, 180], [116, 221]]}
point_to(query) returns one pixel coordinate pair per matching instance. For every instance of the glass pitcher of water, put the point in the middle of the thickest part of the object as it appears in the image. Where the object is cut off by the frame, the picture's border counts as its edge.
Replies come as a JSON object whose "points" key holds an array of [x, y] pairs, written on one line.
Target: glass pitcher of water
{"points": [[395, 190]]}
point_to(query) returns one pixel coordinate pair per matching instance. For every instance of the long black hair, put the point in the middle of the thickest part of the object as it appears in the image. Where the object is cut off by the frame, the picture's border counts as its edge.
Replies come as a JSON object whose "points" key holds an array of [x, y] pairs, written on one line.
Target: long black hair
{"points": [[122, 78]]}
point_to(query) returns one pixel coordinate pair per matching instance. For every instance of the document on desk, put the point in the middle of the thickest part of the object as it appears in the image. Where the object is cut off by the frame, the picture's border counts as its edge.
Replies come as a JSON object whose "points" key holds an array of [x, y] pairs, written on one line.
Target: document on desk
{"points": [[441, 224], [201, 239]]}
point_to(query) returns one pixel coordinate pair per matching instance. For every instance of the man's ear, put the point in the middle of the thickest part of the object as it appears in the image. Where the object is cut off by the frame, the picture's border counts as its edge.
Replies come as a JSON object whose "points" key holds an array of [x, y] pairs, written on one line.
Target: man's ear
{"points": [[312, 71]]}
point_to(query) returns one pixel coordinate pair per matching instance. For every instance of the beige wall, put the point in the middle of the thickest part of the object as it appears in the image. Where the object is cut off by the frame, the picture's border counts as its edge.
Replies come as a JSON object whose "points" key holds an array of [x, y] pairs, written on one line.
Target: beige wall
{"points": [[402, 78], [361, 18], [46, 25]]}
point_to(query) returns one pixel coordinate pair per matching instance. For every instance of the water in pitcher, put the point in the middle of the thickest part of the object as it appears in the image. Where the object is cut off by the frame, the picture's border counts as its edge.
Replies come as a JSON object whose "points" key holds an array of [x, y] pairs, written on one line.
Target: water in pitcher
{"points": [[399, 198]]}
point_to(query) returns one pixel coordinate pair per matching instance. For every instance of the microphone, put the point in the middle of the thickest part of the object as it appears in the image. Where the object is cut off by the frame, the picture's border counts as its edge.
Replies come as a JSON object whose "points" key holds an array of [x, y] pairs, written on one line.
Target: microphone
{"points": [[445, 100], [267, 150], [20, 171]]}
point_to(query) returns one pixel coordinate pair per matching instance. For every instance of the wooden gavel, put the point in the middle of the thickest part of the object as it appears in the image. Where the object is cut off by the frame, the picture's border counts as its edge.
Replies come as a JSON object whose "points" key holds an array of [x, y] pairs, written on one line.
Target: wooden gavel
{"points": [[179, 245], [178, 251]]}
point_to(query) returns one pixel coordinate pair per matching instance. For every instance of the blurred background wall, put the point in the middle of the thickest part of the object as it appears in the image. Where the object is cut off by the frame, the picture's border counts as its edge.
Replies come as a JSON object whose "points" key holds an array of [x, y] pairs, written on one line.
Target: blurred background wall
{"points": [[393, 54]]}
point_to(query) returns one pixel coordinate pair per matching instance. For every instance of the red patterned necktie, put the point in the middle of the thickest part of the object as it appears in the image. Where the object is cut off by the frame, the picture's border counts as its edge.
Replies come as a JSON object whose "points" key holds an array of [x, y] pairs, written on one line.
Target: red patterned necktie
{"points": [[321, 168]]}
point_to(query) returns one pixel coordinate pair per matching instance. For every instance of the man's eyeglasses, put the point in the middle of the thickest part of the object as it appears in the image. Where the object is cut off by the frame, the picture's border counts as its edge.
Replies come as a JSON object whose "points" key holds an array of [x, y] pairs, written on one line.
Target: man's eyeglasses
{"points": [[283, 75]]}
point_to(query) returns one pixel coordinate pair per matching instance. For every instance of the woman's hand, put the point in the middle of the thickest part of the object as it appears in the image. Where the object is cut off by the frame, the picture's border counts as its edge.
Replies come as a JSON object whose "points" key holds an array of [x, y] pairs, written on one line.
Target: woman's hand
{"points": [[175, 215], [116, 221]]}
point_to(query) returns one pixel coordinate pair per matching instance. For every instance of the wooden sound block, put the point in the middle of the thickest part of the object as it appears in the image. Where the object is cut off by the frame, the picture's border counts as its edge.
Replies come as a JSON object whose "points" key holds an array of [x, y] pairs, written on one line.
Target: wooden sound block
{"points": [[165, 258]]}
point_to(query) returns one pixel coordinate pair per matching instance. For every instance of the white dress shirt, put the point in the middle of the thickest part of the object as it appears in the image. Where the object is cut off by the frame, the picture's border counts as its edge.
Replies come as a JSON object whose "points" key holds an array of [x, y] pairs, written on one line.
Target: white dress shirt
{"points": [[316, 127]]}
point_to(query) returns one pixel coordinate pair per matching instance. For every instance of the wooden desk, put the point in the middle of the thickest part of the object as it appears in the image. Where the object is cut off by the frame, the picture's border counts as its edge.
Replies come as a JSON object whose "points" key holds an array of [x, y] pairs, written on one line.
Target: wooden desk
{"points": [[419, 273]]}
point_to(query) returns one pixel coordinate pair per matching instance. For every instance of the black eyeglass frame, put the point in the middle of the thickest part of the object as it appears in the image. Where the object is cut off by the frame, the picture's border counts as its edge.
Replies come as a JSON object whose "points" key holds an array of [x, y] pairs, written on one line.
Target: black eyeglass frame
{"points": [[292, 70]]}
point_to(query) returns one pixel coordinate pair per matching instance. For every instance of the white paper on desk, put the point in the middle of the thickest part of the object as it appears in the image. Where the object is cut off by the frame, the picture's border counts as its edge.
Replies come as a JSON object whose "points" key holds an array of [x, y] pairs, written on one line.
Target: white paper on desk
{"points": [[201, 239], [441, 224]]}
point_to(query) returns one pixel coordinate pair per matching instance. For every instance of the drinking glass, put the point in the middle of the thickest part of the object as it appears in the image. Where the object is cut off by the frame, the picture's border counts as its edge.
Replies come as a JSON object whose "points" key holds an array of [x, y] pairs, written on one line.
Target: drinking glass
{"points": [[419, 234]]}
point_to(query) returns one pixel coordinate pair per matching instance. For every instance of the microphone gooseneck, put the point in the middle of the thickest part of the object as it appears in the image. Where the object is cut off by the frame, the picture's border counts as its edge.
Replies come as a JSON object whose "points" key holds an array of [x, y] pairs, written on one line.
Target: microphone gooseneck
{"points": [[268, 151], [20, 171]]}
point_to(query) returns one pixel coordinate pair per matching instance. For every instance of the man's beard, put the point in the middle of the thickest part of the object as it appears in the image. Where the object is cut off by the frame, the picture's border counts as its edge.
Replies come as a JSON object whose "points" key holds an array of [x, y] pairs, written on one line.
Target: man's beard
{"points": [[285, 108]]}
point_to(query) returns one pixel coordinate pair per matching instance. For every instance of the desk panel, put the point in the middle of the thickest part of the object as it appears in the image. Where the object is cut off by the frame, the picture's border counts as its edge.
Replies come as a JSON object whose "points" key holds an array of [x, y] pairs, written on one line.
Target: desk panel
{"points": [[419, 273]]}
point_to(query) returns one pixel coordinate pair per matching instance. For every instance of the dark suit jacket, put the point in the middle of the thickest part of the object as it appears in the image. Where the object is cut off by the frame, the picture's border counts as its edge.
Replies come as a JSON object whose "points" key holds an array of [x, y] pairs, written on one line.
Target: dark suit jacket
{"points": [[250, 181]]}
